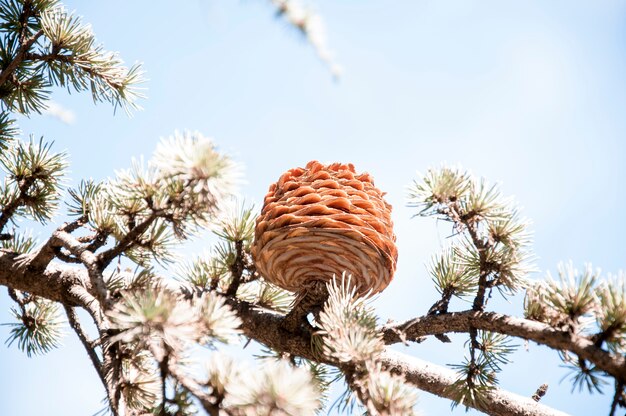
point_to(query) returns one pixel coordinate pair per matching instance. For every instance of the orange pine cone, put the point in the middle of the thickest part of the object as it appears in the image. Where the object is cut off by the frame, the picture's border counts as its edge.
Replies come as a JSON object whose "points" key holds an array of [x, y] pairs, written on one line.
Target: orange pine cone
{"points": [[323, 220]]}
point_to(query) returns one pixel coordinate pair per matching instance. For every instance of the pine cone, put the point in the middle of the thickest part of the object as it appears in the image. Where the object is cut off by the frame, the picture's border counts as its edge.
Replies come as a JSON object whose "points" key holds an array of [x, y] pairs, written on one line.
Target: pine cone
{"points": [[323, 220]]}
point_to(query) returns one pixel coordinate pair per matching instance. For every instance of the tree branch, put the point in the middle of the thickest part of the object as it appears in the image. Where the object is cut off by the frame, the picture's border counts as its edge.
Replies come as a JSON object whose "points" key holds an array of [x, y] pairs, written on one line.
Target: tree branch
{"points": [[57, 282], [437, 380], [236, 269], [468, 222], [267, 328], [61, 282], [24, 47], [89, 347], [538, 332], [9, 210], [38, 261], [107, 256], [618, 397]]}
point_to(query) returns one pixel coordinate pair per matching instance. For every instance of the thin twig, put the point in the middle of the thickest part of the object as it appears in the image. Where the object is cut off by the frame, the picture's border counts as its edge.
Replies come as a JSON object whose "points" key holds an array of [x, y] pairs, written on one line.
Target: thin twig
{"points": [[105, 258], [236, 269], [467, 221], [112, 367], [471, 373], [107, 365], [164, 372], [89, 345], [17, 299], [618, 398]]}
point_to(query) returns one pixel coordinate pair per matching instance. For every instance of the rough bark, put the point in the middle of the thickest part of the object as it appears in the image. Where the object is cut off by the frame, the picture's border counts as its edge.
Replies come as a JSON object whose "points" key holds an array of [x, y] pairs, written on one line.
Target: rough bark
{"points": [[543, 334], [56, 282]]}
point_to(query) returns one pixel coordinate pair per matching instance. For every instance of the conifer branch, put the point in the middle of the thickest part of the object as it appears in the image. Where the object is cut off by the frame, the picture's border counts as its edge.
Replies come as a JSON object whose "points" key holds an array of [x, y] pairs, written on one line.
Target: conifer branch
{"points": [[619, 397], [19, 57], [58, 280], [132, 237], [467, 221], [22, 199], [25, 43], [236, 269], [540, 333], [87, 344]]}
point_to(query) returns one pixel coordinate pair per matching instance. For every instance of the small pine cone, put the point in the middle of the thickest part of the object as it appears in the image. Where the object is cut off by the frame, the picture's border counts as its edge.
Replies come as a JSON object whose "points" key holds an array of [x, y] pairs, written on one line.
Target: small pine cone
{"points": [[324, 220]]}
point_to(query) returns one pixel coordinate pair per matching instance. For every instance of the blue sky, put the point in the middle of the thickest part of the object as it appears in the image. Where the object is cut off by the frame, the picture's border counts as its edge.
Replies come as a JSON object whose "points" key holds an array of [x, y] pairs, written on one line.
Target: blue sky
{"points": [[529, 94]]}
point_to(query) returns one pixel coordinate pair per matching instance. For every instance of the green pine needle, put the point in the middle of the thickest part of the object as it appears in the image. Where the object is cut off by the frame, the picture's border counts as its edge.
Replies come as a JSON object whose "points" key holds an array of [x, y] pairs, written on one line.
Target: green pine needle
{"points": [[450, 275], [8, 130], [19, 243], [473, 381], [35, 175], [583, 375], [83, 197], [438, 187], [238, 224], [39, 328]]}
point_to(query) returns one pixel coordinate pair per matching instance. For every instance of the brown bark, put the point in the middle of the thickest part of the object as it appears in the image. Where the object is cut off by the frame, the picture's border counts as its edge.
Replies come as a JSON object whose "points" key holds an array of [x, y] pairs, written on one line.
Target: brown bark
{"points": [[543, 334]]}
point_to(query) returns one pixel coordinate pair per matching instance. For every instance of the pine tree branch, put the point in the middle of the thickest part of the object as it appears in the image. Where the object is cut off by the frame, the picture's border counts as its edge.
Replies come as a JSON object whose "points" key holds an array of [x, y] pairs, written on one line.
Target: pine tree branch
{"points": [[168, 366], [89, 260], [105, 258], [236, 269], [67, 258], [267, 328], [79, 67], [88, 345], [538, 332], [46, 253], [437, 380], [618, 397], [9, 209], [88, 302], [61, 238], [57, 282], [62, 283], [98, 240], [468, 222], [25, 45]]}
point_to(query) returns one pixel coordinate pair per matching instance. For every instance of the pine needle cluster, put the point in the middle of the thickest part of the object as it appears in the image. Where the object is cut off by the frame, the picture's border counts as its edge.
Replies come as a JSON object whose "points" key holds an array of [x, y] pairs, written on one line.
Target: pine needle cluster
{"points": [[491, 248], [582, 303], [349, 334]]}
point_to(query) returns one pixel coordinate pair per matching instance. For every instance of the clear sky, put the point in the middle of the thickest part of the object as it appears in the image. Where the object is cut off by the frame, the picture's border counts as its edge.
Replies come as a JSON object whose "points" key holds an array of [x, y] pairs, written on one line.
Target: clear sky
{"points": [[528, 93]]}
